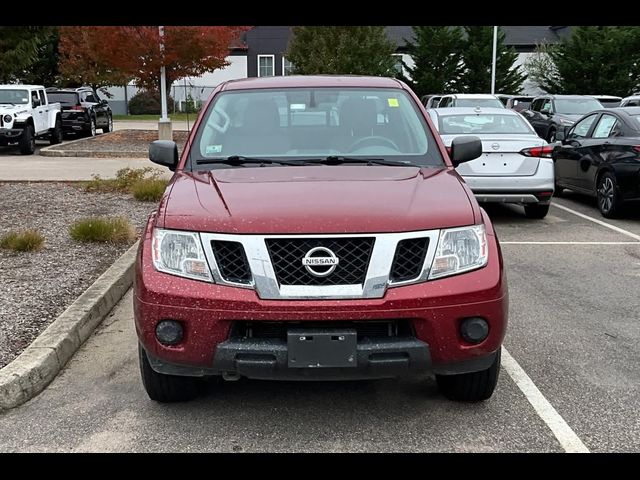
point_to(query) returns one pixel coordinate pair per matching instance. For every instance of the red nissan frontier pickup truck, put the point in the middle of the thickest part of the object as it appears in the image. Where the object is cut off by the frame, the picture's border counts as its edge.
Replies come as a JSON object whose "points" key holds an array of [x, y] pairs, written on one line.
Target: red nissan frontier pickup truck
{"points": [[315, 228]]}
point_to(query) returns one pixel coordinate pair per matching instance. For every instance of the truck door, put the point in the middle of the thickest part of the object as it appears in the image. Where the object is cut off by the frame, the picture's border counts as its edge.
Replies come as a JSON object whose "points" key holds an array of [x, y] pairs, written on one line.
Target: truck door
{"points": [[40, 111]]}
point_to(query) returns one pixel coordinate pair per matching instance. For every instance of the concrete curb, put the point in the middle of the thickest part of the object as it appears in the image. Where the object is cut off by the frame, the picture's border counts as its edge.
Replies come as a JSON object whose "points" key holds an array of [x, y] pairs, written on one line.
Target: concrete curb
{"points": [[28, 374], [92, 153]]}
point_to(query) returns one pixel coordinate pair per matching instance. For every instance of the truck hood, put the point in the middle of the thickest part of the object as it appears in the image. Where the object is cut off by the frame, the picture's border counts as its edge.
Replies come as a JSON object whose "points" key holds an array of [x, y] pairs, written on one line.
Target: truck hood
{"points": [[11, 109], [316, 199]]}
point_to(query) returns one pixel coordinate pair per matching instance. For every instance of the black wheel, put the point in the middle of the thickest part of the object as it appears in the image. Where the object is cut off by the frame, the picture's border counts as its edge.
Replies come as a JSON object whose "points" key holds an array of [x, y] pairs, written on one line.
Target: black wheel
{"points": [[167, 388], [607, 195], [109, 126], [470, 387], [56, 133], [551, 136], [535, 210], [27, 141], [91, 130]]}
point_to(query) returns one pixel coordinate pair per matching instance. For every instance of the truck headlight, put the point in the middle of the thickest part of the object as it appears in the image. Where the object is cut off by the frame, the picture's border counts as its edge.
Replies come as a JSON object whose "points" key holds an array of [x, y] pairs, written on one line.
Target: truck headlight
{"points": [[8, 119], [180, 253], [460, 250], [566, 123]]}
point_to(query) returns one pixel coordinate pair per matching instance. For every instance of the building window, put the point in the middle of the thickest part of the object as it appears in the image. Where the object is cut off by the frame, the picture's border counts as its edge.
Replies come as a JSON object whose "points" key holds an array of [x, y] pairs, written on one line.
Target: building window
{"points": [[265, 66], [398, 63], [287, 67]]}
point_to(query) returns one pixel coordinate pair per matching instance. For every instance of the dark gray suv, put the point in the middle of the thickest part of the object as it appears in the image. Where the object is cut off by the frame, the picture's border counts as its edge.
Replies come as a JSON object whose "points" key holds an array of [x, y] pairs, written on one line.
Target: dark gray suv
{"points": [[83, 111], [551, 113]]}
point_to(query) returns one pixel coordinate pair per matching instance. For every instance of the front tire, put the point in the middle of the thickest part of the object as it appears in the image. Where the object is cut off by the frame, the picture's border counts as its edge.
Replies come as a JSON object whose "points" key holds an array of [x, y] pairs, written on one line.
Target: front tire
{"points": [[56, 133], [535, 210], [167, 388], [27, 141], [109, 126], [91, 131], [471, 387], [607, 195]]}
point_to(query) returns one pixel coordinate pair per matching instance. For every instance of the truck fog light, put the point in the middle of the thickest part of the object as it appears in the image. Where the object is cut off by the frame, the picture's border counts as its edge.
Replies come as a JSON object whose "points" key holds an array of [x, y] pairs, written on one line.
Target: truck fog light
{"points": [[474, 330], [169, 332]]}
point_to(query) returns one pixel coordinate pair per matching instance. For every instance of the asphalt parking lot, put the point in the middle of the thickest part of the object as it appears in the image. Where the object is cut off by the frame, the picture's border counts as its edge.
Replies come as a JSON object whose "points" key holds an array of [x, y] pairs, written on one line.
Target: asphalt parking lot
{"points": [[570, 379]]}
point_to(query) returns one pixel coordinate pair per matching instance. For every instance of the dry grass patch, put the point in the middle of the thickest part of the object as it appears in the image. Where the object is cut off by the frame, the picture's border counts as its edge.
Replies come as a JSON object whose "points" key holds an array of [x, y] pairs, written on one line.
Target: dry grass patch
{"points": [[103, 229], [149, 190], [22, 241], [125, 179]]}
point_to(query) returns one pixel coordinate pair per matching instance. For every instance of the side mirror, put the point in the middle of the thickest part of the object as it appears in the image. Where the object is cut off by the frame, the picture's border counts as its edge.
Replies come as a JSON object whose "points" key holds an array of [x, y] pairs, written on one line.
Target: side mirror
{"points": [[465, 149], [104, 102], [165, 153], [35, 103]]}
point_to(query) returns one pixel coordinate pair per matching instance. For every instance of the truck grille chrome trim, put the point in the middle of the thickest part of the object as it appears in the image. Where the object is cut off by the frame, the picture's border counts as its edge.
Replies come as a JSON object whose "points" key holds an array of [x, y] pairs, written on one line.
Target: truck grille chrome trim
{"points": [[371, 258]]}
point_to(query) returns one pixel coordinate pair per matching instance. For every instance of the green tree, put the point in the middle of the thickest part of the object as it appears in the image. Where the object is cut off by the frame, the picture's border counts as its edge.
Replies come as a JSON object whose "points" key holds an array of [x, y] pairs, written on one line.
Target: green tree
{"points": [[357, 50], [476, 55], [44, 70], [435, 52], [19, 49], [594, 60]]}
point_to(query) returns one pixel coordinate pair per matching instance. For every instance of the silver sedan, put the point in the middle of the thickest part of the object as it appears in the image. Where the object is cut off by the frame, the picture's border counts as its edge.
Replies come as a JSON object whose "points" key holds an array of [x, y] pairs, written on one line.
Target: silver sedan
{"points": [[515, 165]]}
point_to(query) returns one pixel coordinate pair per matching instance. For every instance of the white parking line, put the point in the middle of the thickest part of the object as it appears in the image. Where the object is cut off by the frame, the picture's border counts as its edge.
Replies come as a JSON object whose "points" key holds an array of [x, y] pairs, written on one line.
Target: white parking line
{"points": [[569, 243], [562, 431], [599, 222]]}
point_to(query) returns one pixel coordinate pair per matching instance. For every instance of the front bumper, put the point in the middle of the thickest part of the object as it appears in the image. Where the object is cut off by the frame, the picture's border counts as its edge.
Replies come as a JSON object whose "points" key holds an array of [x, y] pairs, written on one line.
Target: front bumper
{"points": [[515, 189], [10, 134], [207, 312]]}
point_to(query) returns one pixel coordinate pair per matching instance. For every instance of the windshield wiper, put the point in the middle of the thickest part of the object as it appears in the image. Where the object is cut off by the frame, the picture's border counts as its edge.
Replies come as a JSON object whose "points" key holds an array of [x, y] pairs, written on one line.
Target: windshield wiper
{"points": [[240, 160], [339, 160]]}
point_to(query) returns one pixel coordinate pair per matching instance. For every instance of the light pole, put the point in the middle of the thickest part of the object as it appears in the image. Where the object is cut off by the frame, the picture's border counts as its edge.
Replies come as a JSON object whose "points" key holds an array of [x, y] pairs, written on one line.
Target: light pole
{"points": [[164, 124], [493, 60]]}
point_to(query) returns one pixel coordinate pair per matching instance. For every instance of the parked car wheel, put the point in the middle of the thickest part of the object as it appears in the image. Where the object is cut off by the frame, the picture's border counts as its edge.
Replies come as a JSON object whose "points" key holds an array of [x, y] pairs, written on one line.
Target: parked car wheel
{"points": [[167, 388], [109, 126], [607, 195], [27, 141], [56, 133], [470, 387], [535, 210], [91, 131]]}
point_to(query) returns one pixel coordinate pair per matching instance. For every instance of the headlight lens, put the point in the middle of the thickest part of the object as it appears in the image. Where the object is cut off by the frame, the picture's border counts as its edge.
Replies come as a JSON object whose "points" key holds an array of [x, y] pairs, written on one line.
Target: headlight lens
{"points": [[180, 253], [566, 122], [7, 119], [460, 250]]}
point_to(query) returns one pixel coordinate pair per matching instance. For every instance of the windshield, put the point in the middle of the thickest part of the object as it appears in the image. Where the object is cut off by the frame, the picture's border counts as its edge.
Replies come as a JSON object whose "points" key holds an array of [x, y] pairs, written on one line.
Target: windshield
{"points": [[483, 123], [304, 123], [577, 106], [479, 102], [14, 96], [65, 98]]}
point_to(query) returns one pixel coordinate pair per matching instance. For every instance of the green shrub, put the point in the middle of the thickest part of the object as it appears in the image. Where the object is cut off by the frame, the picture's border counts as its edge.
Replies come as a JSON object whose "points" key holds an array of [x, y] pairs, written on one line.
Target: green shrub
{"points": [[102, 229], [149, 190], [147, 103], [125, 179], [22, 241]]}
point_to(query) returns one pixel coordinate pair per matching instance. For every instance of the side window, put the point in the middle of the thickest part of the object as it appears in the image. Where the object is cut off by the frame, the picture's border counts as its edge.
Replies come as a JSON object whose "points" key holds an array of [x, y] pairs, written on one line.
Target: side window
{"points": [[35, 100], [535, 105], [581, 128], [43, 99], [91, 98], [444, 102], [605, 126], [546, 106]]}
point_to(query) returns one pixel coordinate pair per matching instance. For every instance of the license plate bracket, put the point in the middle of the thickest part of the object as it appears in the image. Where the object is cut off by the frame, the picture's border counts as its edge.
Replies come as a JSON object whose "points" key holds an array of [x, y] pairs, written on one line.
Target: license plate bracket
{"points": [[322, 348]]}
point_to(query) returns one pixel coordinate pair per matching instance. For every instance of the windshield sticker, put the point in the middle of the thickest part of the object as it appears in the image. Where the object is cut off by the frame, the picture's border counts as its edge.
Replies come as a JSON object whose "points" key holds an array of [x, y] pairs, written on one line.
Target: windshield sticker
{"points": [[297, 106], [393, 102], [213, 149]]}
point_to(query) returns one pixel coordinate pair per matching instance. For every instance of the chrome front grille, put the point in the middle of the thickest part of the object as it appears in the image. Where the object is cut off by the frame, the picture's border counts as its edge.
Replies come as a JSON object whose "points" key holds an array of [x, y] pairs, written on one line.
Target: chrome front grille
{"points": [[353, 253], [365, 264]]}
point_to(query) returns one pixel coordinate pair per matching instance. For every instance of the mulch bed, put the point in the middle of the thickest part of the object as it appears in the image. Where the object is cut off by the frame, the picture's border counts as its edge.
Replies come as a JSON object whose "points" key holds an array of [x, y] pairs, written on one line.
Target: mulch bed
{"points": [[38, 286], [132, 143]]}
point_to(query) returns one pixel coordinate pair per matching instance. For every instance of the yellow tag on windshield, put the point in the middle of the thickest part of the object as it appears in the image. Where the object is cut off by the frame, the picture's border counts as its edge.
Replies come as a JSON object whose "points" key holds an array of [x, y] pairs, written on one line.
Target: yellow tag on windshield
{"points": [[393, 102]]}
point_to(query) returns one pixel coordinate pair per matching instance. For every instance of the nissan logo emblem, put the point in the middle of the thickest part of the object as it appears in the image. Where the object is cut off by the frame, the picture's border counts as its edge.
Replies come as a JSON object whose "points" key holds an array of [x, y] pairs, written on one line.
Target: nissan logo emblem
{"points": [[320, 261]]}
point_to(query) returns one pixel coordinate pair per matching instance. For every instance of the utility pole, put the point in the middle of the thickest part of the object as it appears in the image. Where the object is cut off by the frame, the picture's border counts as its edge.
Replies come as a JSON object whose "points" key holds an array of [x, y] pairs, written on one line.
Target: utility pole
{"points": [[164, 125], [493, 62]]}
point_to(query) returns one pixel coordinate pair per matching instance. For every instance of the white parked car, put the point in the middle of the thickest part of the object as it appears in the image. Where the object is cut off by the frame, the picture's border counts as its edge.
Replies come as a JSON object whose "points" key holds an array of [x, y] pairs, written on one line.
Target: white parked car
{"points": [[631, 101], [25, 113], [482, 100], [516, 164]]}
